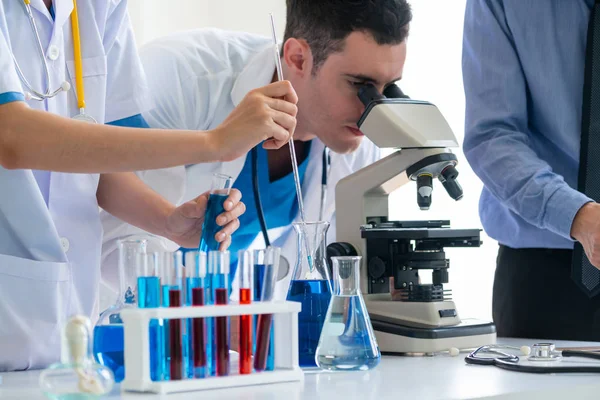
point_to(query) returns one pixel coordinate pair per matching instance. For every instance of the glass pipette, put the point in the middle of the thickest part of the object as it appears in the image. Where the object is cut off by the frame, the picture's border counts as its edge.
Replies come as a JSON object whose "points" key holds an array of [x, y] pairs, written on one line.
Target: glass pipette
{"points": [[291, 143]]}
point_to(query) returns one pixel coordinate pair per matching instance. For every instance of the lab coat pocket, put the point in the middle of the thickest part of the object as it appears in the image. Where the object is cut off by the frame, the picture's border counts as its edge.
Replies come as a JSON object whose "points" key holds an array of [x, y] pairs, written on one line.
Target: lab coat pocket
{"points": [[34, 298], [94, 71]]}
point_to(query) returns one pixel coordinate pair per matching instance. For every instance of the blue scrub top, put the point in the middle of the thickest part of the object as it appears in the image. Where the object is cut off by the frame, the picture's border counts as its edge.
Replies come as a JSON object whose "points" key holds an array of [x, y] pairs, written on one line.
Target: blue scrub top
{"points": [[279, 202]]}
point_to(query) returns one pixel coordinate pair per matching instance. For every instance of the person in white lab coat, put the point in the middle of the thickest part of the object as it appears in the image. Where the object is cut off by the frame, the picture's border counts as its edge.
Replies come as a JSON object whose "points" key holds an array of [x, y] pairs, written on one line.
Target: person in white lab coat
{"points": [[329, 49], [50, 228]]}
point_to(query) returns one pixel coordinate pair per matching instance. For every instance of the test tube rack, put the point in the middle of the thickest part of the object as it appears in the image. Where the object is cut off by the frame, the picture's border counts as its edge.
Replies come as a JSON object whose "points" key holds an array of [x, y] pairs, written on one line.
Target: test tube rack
{"points": [[137, 347]]}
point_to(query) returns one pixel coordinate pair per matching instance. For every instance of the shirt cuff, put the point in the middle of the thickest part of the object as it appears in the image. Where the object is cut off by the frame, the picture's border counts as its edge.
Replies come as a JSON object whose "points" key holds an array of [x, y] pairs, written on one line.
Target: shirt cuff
{"points": [[9, 97], [561, 209]]}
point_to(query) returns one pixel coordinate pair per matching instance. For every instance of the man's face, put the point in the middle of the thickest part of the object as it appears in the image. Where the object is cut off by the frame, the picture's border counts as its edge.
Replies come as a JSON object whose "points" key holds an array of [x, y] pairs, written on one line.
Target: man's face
{"points": [[328, 105]]}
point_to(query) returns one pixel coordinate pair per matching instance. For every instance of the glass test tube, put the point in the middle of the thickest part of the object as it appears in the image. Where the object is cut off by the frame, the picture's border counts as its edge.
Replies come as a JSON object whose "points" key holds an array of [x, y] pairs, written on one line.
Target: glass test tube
{"points": [[172, 276], [195, 263], [220, 188], [245, 272], [265, 321], [220, 267], [149, 297]]}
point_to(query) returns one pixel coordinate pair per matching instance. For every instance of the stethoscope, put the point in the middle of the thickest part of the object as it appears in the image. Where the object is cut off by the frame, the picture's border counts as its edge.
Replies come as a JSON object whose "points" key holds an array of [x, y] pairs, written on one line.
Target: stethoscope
{"points": [[33, 94], [284, 265], [539, 352]]}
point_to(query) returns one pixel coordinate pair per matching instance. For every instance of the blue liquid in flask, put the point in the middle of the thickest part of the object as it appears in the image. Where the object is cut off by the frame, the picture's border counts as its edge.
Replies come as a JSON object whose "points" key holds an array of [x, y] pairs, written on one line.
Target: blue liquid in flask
{"points": [[348, 341], [210, 227], [314, 296], [108, 348]]}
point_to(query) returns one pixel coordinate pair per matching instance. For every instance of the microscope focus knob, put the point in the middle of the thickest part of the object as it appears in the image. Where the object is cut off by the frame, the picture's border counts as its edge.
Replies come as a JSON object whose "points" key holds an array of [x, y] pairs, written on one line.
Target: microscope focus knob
{"points": [[376, 268], [424, 190]]}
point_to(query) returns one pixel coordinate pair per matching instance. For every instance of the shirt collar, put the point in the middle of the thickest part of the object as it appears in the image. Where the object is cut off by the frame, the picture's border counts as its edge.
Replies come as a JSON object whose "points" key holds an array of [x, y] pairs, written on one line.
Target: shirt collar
{"points": [[257, 73]]}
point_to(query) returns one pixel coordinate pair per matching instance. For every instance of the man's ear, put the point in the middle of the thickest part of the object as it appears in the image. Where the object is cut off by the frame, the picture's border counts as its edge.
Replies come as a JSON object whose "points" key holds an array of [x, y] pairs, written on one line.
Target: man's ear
{"points": [[297, 57]]}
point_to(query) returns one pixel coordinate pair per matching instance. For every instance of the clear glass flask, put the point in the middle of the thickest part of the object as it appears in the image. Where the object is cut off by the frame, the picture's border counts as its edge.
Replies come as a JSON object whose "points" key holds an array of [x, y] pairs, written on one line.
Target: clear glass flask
{"points": [[219, 191], [347, 341], [77, 376], [108, 338], [310, 286]]}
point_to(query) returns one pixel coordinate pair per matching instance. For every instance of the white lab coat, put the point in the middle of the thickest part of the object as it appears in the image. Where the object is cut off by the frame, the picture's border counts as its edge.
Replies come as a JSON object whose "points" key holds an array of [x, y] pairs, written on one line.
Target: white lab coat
{"points": [[197, 78], [50, 254]]}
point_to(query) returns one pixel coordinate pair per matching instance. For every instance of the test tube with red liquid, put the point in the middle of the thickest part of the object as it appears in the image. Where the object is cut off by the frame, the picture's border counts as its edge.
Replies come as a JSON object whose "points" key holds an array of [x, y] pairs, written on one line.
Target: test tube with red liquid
{"points": [[175, 337], [265, 321], [195, 267], [219, 265], [245, 274]]}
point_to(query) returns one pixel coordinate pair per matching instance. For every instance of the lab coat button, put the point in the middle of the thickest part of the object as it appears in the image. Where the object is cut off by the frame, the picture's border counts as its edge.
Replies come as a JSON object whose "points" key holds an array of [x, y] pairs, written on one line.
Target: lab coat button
{"points": [[65, 244], [53, 52]]}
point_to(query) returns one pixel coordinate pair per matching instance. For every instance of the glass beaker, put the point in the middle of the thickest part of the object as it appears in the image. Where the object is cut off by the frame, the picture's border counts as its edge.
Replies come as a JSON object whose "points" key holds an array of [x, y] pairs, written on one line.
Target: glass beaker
{"points": [[219, 191], [310, 286], [108, 332], [347, 341]]}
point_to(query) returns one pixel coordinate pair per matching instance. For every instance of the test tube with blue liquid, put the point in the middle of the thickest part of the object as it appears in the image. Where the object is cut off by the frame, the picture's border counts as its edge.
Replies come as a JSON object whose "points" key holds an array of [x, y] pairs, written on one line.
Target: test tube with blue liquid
{"points": [[195, 266], [108, 337], [218, 262], [268, 265], [149, 297], [219, 191]]}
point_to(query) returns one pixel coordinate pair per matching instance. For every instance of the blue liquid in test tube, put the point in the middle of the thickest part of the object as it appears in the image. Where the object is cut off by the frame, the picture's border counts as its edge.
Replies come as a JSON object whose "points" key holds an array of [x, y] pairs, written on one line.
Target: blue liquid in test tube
{"points": [[210, 227], [149, 297]]}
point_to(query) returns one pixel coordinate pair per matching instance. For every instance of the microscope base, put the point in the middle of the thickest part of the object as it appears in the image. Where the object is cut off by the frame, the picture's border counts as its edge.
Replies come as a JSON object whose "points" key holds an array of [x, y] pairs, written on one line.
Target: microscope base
{"points": [[401, 339]]}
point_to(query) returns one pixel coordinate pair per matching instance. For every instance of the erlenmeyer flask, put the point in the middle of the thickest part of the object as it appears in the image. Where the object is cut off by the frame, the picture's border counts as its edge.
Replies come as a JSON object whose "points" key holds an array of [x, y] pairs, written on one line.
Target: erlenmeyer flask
{"points": [[347, 341], [108, 332], [310, 286]]}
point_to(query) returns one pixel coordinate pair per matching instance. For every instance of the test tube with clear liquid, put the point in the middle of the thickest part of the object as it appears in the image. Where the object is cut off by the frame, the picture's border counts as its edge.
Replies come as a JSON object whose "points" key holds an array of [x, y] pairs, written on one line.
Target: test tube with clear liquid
{"points": [[347, 340]]}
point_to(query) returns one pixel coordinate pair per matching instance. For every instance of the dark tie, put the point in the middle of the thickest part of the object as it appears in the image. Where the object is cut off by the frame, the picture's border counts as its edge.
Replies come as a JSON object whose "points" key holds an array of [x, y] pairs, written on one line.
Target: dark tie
{"points": [[586, 276]]}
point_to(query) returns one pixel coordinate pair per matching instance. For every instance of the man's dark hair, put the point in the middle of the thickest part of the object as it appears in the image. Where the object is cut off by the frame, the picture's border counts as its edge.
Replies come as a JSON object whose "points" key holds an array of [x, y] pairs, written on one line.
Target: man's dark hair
{"points": [[325, 24]]}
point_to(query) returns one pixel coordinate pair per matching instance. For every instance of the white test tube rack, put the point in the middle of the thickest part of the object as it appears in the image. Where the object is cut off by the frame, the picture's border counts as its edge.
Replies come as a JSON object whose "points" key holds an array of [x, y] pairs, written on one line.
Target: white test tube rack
{"points": [[137, 347]]}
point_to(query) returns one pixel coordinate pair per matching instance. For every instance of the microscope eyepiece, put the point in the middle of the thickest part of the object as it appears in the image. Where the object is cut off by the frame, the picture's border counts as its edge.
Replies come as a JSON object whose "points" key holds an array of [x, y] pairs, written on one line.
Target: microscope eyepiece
{"points": [[394, 92], [368, 93], [448, 179], [424, 190]]}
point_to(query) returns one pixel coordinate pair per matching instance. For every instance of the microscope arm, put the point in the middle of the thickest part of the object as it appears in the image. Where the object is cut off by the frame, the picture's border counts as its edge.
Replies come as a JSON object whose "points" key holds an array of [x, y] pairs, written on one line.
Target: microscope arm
{"points": [[364, 194]]}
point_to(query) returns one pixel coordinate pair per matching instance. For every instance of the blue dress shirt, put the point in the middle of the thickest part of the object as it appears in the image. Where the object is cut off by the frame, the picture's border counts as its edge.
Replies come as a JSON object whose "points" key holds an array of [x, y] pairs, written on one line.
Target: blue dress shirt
{"points": [[523, 69]]}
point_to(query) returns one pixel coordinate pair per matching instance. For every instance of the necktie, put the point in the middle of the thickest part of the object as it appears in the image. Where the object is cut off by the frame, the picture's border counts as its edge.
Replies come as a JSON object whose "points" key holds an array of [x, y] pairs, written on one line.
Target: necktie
{"points": [[585, 275]]}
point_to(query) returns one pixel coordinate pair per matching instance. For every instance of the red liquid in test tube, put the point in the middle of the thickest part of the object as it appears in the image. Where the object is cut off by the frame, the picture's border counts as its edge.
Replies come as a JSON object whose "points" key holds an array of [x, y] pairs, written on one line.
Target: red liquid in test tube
{"points": [[245, 334], [198, 337], [263, 336], [222, 338], [175, 338]]}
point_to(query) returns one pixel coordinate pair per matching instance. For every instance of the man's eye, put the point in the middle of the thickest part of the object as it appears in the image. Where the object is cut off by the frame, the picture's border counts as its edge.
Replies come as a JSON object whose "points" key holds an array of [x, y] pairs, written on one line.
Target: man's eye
{"points": [[355, 83]]}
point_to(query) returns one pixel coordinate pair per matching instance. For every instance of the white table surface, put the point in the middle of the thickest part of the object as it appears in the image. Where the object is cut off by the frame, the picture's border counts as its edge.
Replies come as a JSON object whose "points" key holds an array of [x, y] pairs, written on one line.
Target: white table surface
{"points": [[437, 377]]}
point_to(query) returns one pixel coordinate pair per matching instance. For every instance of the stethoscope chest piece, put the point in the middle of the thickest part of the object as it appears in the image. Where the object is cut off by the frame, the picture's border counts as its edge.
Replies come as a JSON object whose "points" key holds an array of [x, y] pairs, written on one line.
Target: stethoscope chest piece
{"points": [[85, 118], [544, 352]]}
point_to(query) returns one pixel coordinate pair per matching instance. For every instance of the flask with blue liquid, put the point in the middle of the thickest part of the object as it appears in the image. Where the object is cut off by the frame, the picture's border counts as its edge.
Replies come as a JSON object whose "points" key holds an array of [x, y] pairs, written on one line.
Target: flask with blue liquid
{"points": [[311, 286], [347, 340], [108, 337]]}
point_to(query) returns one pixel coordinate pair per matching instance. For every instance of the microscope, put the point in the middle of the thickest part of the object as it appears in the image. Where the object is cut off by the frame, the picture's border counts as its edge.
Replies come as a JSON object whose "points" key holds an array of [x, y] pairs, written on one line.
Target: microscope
{"points": [[408, 316]]}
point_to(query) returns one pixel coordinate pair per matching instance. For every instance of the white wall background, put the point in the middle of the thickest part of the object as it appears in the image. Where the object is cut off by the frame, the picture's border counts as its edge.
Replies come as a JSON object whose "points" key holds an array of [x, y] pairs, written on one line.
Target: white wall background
{"points": [[432, 72]]}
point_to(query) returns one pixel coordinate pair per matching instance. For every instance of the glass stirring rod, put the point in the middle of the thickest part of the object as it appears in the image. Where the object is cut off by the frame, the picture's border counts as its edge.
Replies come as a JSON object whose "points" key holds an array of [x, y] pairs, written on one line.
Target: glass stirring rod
{"points": [[291, 144]]}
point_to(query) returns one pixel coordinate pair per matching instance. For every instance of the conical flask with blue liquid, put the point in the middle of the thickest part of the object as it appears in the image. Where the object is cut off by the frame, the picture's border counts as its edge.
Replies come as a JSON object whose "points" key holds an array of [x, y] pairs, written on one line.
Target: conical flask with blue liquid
{"points": [[311, 286], [347, 340]]}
